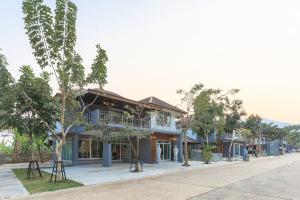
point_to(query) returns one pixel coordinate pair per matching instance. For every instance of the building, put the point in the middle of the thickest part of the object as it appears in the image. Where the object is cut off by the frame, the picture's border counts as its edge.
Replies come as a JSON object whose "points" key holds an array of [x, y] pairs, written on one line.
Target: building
{"points": [[222, 143], [159, 118], [238, 144]]}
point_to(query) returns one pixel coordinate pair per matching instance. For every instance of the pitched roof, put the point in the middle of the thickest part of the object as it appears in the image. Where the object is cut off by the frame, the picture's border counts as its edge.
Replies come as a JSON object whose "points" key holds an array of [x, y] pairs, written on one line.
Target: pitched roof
{"points": [[160, 103], [150, 101]]}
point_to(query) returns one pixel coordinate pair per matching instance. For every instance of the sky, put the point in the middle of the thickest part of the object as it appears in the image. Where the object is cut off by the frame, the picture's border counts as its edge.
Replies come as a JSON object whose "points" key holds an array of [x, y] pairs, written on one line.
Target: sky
{"points": [[156, 47]]}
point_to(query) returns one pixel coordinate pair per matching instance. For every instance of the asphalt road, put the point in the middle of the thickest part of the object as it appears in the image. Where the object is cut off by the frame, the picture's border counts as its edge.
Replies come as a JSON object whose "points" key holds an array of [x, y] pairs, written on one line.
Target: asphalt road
{"points": [[263, 178], [278, 183]]}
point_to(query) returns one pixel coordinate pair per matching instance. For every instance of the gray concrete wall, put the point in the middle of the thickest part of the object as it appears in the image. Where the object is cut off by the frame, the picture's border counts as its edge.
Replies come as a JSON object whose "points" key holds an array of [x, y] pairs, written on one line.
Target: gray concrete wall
{"points": [[273, 148], [145, 150]]}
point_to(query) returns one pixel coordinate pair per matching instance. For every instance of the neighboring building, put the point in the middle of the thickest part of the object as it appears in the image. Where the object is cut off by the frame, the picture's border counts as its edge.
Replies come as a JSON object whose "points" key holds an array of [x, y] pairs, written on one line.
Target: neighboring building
{"points": [[259, 145], [237, 148], [222, 143], [82, 147]]}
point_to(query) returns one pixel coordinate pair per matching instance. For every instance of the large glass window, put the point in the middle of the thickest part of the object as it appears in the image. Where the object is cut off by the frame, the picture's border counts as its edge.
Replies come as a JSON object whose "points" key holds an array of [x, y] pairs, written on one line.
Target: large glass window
{"points": [[89, 149], [67, 150], [120, 151], [163, 119]]}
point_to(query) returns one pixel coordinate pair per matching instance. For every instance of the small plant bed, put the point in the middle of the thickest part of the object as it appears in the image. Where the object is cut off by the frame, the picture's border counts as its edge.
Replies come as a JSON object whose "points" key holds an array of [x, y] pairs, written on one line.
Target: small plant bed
{"points": [[37, 184]]}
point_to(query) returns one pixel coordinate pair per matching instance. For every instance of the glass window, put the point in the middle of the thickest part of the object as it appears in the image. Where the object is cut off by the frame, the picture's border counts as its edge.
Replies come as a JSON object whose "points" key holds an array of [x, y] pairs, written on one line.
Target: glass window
{"points": [[125, 152], [120, 151], [67, 150], [116, 151], [163, 119], [84, 148], [97, 149], [88, 148]]}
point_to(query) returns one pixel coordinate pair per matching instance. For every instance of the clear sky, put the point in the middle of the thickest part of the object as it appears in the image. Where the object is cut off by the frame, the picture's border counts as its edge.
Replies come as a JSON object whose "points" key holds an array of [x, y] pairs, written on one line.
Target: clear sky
{"points": [[156, 47]]}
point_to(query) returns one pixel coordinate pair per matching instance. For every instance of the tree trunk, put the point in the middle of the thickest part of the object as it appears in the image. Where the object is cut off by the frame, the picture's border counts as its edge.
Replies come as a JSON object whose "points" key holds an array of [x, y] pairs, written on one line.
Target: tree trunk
{"points": [[231, 143], [186, 159], [207, 142], [259, 145]]}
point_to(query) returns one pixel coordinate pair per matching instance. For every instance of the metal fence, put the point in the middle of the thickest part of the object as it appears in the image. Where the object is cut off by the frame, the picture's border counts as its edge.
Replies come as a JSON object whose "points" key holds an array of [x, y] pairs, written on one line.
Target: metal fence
{"points": [[24, 158]]}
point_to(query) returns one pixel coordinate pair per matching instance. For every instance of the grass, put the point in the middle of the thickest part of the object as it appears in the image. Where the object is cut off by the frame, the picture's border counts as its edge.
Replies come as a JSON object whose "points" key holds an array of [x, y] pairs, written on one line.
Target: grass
{"points": [[37, 184]]}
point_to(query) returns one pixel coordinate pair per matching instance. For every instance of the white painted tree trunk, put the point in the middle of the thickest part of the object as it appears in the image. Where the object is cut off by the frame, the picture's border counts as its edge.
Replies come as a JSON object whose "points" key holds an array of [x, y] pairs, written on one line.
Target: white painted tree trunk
{"points": [[230, 147]]}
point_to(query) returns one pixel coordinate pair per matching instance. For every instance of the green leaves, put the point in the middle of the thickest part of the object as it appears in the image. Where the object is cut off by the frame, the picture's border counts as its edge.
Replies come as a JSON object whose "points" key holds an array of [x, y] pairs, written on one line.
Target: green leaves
{"points": [[65, 28], [27, 103], [53, 40], [99, 71], [7, 93], [38, 26]]}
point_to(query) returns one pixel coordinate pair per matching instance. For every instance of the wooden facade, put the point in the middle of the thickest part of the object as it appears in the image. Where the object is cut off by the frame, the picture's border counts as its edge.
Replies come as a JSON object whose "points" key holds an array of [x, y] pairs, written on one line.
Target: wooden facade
{"points": [[155, 137]]}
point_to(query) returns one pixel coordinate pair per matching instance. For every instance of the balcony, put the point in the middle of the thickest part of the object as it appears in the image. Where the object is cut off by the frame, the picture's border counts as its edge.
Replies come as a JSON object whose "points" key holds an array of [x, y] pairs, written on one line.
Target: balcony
{"points": [[119, 120], [236, 136]]}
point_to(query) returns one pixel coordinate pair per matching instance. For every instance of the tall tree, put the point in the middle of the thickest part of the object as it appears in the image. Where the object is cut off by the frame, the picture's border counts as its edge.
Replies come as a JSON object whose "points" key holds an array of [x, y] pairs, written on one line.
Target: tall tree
{"points": [[187, 100], [232, 119], [208, 116], [26, 104], [53, 39], [7, 93], [255, 125]]}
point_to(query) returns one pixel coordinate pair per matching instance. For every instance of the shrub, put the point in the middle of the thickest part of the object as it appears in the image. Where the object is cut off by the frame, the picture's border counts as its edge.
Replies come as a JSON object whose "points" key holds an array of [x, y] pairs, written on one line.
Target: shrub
{"points": [[207, 153]]}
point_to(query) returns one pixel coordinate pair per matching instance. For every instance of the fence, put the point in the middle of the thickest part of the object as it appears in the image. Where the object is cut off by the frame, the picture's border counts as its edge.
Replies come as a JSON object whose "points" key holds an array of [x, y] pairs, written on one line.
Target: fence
{"points": [[24, 158]]}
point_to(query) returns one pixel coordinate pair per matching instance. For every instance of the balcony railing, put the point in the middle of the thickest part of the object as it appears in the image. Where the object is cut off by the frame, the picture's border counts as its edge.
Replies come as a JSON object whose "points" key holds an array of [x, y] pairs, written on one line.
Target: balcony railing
{"points": [[237, 136], [119, 119]]}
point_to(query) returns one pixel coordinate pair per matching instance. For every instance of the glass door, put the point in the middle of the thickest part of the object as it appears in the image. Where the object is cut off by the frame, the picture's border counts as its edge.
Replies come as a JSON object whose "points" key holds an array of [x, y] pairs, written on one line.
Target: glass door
{"points": [[165, 147], [236, 149]]}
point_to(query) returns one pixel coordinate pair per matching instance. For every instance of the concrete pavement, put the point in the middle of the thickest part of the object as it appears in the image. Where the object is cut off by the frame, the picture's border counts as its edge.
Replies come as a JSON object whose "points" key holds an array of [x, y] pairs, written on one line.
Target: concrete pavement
{"points": [[10, 186], [265, 178], [95, 174]]}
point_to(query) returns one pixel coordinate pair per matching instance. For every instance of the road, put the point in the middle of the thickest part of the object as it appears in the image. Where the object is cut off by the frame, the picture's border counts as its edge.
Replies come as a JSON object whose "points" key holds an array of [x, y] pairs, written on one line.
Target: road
{"points": [[263, 178]]}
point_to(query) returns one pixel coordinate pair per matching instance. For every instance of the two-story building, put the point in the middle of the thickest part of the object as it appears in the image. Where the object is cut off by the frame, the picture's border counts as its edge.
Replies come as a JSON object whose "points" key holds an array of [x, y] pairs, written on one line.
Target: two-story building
{"points": [[159, 118]]}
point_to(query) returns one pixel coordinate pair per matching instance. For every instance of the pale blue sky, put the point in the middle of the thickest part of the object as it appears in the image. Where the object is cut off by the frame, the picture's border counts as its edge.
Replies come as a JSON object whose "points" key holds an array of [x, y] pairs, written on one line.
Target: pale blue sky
{"points": [[156, 47]]}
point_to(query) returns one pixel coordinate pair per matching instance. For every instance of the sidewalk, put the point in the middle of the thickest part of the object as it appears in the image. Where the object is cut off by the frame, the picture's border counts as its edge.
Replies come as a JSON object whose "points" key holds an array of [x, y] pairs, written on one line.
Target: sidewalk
{"points": [[96, 174], [185, 184], [10, 186]]}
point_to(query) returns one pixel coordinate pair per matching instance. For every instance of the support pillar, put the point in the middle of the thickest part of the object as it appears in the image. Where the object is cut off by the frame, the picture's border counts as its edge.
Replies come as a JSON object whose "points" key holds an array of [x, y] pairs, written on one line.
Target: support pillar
{"points": [[107, 157], [75, 149], [179, 145]]}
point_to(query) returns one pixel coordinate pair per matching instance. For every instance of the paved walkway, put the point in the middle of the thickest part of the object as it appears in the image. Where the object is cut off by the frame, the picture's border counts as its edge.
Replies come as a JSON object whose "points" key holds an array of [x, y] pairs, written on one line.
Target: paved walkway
{"points": [[265, 178], [10, 186], [96, 174]]}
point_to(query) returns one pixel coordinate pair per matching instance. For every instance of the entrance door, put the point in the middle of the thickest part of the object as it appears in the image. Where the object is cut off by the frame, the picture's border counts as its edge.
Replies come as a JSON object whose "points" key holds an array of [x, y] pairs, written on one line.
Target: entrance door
{"points": [[165, 147], [237, 149]]}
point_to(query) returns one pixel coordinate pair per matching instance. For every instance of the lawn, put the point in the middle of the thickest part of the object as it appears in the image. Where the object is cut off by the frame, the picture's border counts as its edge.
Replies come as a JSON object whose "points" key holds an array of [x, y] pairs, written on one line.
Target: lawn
{"points": [[38, 184]]}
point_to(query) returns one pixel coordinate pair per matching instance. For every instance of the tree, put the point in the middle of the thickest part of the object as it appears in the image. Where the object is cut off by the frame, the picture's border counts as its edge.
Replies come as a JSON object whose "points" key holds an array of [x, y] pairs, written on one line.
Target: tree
{"points": [[292, 135], [188, 98], [26, 103], [134, 131], [208, 113], [53, 39], [255, 125], [232, 119], [7, 91], [134, 135], [34, 105]]}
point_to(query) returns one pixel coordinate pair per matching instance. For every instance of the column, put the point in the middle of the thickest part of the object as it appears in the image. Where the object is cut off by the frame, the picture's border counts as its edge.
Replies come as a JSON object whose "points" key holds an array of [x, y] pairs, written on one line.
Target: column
{"points": [[179, 145], [75, 149], [107, 155]]}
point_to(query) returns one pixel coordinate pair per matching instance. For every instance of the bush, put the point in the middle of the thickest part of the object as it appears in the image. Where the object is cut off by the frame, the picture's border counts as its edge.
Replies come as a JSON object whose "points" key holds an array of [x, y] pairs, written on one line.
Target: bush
{"points": [[207, 153]]}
